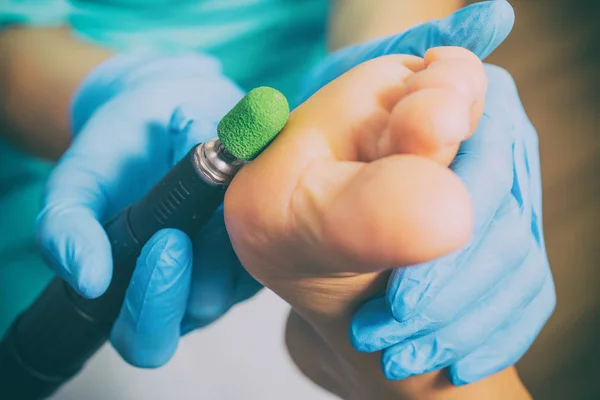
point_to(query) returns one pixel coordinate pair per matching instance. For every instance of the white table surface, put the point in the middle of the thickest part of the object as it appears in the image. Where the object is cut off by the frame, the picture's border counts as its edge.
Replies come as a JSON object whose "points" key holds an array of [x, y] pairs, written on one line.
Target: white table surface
{"points": [[242, 356]]}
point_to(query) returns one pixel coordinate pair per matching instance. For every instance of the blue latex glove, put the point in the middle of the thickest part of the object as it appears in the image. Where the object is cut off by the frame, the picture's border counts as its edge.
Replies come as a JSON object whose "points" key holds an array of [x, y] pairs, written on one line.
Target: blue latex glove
{"points": [[480, 28], [125, 141], [478, 310]]}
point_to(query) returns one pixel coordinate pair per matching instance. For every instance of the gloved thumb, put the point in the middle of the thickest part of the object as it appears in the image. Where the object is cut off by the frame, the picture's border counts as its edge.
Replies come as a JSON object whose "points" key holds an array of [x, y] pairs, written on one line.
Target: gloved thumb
{"points": [[75, 246], [147, 331], [480, 28]]}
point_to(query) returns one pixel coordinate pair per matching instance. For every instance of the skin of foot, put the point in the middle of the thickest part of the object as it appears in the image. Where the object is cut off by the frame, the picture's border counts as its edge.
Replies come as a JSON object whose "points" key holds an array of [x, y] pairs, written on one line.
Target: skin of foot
{"points": [[357, 184]]}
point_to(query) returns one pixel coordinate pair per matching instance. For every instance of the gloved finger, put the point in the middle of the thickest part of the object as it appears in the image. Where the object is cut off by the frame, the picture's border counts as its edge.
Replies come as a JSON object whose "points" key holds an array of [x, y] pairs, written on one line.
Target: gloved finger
{"points": [[75, 246], [147, 331], [373, 327], [480, 28], [214, 277], [93, 181], [443, 347], [508, 344], [485, 165], [477, 274]]}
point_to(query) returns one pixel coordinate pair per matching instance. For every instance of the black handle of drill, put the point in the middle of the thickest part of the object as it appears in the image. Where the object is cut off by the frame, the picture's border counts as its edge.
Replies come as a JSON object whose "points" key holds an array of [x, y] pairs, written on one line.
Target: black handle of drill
{"points": [[49, 343]]}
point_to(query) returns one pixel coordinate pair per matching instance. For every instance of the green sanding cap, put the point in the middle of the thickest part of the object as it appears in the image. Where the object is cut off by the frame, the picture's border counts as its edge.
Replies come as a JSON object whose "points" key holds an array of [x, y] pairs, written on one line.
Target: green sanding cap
{"points": [[254, 122]]}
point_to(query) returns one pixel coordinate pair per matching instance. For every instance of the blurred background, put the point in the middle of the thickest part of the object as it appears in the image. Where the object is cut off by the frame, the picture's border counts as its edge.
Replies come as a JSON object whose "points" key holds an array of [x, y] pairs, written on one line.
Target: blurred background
{"points": [[554, 55]]}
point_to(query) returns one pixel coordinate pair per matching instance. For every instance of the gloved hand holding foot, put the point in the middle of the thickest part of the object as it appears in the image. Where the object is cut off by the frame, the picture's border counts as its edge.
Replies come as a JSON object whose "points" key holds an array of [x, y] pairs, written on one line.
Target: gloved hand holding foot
{"points": [[475, 311], [356, 184]]}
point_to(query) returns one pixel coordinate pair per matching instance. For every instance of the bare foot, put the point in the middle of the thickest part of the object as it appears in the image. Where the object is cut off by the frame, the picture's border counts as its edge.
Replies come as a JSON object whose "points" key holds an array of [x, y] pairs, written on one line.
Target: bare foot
{"points": [[355, 185]]}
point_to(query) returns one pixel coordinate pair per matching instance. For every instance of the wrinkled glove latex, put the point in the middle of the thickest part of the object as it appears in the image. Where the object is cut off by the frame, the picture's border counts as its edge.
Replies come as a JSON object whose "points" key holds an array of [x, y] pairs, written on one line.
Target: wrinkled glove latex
{"points": [[125, 141], [476, 311]]}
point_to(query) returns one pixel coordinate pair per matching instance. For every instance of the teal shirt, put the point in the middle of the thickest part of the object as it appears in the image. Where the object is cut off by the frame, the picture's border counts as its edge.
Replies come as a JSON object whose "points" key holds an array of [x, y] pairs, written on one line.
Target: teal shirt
{"points": [[269, 42], [259, 42], [22, 273]]}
